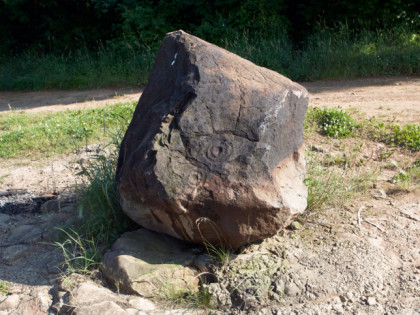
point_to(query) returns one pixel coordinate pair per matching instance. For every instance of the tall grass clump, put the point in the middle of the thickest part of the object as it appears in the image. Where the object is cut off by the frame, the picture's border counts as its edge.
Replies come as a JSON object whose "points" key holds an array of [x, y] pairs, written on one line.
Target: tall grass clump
{"points": [[100, 217]]}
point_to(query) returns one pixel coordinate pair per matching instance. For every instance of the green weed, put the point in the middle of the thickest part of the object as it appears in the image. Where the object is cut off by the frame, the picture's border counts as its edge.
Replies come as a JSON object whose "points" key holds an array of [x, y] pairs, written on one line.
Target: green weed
{"points": [[334, 122], [409, 178], [101, 219], [407, 136], [81, 255], [4, 287]]}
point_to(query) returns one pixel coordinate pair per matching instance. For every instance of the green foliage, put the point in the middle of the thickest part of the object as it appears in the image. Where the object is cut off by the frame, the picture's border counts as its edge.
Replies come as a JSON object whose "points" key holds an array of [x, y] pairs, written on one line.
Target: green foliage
{"points": [[334, 122], [329, 53], [4, 287], [406, 136], [27, 134]]}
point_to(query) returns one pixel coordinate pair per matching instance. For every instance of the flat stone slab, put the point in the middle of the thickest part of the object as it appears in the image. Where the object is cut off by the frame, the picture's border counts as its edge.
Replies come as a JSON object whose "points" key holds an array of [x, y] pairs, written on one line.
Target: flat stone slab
{"points": [[149, 263]]}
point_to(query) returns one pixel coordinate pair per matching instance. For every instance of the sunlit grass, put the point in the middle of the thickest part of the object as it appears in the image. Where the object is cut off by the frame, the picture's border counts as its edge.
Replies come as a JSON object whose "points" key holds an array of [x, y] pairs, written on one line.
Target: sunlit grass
{"points": [[25, 134]]}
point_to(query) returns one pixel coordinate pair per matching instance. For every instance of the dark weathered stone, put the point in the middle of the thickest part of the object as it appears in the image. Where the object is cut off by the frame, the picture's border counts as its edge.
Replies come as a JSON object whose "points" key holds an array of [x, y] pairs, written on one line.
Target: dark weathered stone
{"points": [[215, 148]]}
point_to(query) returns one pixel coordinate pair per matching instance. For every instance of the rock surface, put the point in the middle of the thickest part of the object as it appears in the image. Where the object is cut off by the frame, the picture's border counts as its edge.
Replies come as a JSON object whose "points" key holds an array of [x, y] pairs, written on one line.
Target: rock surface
{"points": [[148, 263], [215, 148]]}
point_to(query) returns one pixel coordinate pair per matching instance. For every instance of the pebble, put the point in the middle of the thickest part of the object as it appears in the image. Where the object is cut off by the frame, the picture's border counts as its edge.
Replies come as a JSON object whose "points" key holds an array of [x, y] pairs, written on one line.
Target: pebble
{"points": [[371, 301]]}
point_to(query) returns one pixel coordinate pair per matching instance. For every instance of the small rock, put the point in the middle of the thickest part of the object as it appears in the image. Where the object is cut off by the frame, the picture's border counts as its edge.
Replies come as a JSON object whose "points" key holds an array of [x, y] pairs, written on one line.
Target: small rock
{"points": [[103, 308], [295, 226], [371, 301], [379, 194], [68, 208], [142, 304], [15, 252], [25, 234], [291, 289], [279, 286], [142, 260], [89, 293], [11, 302], [393, 165]]}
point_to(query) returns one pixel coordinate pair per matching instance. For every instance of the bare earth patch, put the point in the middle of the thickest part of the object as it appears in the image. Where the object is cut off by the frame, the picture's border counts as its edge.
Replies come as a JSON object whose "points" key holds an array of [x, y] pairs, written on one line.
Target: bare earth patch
{"points": [[360, 258]]}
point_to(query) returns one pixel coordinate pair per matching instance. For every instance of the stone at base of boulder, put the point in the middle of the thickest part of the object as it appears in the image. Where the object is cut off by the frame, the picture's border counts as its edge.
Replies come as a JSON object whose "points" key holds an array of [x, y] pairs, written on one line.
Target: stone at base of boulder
{"points": [[149, 263]]}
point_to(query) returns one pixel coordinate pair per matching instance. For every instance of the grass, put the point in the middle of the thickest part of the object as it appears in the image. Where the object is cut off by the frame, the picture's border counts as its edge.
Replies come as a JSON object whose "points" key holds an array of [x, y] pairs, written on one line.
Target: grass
{"points": [[334, 179], [337, 123], [409, 178], [188, 297], [80, 255], [328, 54], [24, 134]]}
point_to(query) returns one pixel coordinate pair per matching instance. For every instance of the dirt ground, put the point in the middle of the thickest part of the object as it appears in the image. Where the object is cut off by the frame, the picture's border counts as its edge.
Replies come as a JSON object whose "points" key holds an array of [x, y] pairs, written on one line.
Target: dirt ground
{"points": [[343, 261]]}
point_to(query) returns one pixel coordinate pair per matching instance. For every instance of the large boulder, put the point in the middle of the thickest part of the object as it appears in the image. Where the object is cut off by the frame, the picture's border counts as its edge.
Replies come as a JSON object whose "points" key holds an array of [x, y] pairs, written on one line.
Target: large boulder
{"points": [[214, 152]]}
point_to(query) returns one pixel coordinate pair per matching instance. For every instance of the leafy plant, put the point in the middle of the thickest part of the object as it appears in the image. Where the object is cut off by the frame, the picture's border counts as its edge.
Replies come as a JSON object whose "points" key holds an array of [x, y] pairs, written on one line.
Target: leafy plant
{"points": [[335, 122], [407, 136], [4, 287]]}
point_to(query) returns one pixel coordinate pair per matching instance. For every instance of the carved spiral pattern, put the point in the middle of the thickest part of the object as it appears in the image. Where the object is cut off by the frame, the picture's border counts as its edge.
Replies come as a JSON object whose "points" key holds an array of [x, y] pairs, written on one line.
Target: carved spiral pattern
{"points": [[196, 178], [219, 152]]}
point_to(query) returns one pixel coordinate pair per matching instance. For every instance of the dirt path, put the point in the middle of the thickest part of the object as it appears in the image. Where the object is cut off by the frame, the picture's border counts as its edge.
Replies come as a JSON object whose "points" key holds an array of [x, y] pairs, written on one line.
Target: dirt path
{"points": [[384, 98], [62, 100]]}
